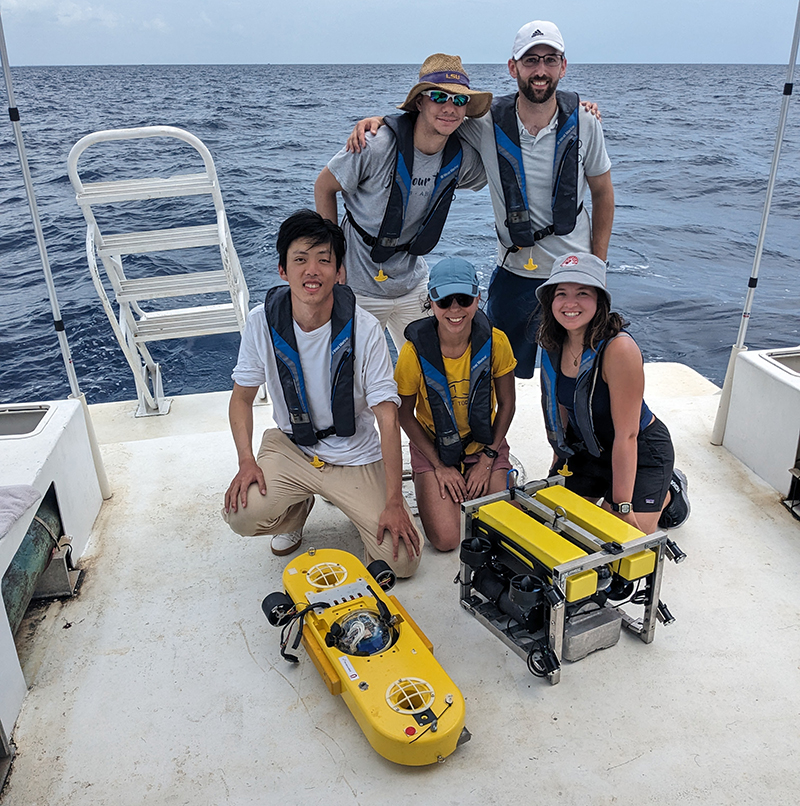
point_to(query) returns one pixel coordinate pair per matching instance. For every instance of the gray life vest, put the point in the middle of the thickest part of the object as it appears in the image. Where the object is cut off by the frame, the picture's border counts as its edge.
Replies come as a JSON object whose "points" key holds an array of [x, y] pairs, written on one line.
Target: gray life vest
{"points": [[278, 307], [585, 385], [564, 202], [424, 335], [584, 390], [387, 241]]}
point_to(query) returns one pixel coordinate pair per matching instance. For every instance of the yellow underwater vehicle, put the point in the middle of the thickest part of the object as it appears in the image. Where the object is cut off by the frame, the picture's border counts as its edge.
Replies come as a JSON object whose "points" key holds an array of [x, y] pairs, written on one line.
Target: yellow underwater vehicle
{"points": [[371, 652], [556, 577]]}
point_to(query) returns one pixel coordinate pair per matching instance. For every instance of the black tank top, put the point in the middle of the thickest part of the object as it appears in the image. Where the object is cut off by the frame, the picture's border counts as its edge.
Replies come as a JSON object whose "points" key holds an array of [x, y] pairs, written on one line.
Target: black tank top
{"points": [[601, 409]]}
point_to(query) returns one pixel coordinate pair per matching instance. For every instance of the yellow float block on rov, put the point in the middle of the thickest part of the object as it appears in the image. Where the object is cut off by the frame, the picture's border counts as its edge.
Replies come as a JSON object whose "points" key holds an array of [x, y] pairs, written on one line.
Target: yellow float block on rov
{"points": [[549, 548], [603, 525], [408, 707]]}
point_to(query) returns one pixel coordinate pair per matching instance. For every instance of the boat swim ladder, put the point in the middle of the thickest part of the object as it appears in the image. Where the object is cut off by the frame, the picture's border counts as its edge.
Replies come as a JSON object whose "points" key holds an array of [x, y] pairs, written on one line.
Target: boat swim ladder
{"points": [[133, 324]]}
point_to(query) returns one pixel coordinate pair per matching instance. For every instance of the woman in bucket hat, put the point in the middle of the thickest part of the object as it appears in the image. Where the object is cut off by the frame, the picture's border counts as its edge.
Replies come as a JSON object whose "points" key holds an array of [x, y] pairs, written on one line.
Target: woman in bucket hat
{"points": [[608, 444], [455, 378]]}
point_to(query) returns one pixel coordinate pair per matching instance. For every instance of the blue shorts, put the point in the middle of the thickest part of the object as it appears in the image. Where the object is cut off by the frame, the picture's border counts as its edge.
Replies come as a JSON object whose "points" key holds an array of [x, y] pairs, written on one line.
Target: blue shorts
{"points": [[513, 308]]}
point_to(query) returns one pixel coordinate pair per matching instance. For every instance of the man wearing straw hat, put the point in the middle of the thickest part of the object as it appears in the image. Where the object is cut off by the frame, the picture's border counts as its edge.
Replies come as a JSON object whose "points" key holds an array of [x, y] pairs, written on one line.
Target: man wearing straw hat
{"points": [[397, 191]]}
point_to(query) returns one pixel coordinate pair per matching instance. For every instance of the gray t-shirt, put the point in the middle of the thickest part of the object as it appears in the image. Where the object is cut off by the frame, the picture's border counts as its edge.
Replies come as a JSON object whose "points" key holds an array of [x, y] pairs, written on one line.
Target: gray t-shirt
{"points": [[537, 157], [366, 181]]}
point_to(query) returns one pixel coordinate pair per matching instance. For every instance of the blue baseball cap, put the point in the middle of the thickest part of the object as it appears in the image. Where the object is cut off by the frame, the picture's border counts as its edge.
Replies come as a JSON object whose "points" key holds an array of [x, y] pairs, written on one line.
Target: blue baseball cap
{"points": [[453, 275]]}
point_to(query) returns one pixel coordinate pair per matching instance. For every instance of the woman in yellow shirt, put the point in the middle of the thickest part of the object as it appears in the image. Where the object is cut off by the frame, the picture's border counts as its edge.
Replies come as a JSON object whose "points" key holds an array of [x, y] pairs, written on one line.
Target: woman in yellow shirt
{"points": [[456, 385]]}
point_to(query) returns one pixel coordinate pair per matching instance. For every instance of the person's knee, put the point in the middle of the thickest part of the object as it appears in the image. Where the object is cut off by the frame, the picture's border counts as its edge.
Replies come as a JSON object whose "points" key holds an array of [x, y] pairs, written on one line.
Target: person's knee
{"points": [[240, 521], [404, 566], [442, 532], [254, 518], [444, 540]]}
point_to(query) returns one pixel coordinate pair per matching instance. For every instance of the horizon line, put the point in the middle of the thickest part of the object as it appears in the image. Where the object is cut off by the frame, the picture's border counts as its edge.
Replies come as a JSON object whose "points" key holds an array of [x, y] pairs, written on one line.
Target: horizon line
{"points": [[390, 64]]}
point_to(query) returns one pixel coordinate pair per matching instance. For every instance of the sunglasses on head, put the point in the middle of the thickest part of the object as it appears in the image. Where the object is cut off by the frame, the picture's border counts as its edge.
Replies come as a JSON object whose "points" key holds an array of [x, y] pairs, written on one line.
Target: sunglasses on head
{"points": [[464, 300], [442, 97]]}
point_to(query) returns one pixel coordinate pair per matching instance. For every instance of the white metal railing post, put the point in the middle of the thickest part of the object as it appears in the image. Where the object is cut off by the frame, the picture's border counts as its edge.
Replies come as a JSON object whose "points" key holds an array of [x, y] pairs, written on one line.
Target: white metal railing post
{"points": [[58, 323], [718, 433]]}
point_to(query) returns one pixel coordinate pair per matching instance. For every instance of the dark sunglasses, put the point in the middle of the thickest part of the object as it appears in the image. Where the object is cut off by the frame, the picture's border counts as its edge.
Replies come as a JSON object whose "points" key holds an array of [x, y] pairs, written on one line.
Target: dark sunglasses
{"points": [[464, 300], [442, 97]]}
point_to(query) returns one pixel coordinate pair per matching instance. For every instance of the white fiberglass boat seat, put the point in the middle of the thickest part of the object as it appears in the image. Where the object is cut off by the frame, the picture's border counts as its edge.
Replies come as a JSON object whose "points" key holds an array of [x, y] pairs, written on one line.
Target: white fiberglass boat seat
{"points": [[152, 270]]}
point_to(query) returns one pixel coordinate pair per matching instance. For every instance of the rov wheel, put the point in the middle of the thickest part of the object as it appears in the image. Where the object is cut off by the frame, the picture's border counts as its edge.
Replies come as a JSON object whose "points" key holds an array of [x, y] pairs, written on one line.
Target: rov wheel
{"points": [[383, 574], [276, 607]]}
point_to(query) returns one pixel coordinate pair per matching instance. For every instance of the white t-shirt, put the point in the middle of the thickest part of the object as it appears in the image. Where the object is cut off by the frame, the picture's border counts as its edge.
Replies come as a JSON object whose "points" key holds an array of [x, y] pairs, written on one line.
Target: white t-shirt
{"points": [[537, 158], [373, 383], [366, 181]]}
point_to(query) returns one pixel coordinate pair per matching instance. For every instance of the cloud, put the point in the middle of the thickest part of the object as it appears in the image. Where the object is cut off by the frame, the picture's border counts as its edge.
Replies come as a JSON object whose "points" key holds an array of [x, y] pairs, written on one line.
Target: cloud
{"points": [[156, 24], [75, 13], [65, 12], [19, 7]]}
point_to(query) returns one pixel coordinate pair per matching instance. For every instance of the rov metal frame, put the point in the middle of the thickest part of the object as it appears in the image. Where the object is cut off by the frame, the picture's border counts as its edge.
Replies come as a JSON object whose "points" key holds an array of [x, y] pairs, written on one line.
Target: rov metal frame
{"points": [[515, 636]]}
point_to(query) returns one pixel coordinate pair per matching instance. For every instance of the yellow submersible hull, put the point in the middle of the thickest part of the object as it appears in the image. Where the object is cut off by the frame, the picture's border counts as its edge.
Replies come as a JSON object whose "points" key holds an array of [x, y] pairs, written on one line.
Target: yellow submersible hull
{"points": [[370, 651]]}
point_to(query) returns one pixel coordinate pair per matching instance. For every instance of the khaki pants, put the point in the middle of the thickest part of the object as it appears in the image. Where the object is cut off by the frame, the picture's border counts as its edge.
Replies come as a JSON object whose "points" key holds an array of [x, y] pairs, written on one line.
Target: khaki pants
{"points": [[292, 481]]}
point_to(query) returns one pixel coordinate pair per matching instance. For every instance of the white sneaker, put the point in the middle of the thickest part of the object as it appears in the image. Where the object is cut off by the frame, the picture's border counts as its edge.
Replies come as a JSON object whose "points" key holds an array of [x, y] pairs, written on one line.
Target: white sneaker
{"points": [[286, 543]]}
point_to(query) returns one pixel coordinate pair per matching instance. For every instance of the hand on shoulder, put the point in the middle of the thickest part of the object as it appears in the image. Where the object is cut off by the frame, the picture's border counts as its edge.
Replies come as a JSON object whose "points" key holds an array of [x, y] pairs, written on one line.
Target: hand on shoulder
{"points": [[593, 109], [358, 137]]}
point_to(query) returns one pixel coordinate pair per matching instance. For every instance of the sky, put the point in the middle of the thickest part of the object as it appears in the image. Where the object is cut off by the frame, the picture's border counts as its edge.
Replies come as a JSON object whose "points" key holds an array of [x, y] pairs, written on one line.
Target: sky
{"points": [[67, 32]]}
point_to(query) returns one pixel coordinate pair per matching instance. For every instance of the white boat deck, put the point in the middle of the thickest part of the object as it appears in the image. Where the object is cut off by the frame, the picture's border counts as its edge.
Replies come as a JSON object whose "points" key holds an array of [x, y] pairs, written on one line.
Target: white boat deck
{"points": [[162, 683]]}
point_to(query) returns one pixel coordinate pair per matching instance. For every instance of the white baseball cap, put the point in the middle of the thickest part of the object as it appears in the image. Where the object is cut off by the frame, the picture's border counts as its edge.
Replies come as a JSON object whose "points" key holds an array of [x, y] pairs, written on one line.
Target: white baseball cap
{"points": [[538, 32]]}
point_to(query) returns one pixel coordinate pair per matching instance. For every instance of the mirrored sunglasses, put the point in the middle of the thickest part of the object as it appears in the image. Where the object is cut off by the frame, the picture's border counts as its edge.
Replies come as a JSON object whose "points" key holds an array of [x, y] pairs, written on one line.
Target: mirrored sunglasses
{"points": [[442, 97], [464, 300]]}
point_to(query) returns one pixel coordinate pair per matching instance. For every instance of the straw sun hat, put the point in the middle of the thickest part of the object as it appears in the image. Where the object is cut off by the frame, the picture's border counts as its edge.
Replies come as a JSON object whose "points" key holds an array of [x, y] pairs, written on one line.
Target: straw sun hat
{"points": [[443, 72]]}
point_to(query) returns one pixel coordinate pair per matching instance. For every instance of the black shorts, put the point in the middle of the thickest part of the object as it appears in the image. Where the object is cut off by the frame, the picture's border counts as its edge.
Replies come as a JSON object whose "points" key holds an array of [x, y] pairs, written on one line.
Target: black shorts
{"points": [[591, 475]]}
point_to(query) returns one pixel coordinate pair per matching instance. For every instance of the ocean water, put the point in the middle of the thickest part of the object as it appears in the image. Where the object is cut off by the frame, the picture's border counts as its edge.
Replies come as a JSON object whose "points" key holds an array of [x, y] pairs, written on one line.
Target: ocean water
{"points": [[691, 147]]}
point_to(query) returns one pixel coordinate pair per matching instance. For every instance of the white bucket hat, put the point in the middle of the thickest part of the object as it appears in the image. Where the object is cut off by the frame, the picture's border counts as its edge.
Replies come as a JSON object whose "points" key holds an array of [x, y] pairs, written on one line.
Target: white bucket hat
{"points": [[577, 267]]}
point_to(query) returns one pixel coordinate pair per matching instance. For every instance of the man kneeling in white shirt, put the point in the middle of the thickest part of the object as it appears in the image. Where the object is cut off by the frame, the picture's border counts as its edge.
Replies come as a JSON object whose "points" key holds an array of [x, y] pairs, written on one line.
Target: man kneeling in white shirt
{"points": [[329, 375]]}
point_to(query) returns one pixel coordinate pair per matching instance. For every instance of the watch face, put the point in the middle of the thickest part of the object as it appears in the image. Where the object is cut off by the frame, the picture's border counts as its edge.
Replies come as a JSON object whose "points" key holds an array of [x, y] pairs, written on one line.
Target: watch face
{"points": [[625, 509]]}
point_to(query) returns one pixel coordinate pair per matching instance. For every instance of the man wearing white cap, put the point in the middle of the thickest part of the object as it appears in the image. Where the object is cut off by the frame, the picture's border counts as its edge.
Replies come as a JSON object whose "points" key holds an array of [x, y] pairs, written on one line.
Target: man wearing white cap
{"points": [[541, 151], [397, 191]]}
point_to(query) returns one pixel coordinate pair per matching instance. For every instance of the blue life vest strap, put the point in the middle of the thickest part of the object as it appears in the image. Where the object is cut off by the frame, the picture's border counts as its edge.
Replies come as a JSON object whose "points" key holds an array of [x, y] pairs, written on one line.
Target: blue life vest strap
{"points": [[278, 308], [564, 198], [387, 242], [585, 384], [424, 335]]}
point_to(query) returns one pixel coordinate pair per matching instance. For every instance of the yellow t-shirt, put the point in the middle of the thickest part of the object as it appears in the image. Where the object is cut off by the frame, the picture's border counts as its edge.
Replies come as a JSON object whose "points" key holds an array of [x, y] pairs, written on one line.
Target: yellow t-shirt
{"points": [[410, 381]]}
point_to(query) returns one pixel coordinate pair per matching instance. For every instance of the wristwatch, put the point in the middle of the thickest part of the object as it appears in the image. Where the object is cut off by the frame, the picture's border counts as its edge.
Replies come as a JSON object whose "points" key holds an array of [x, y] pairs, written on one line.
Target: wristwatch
{"points": [[490, 452], [624, 508]]}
